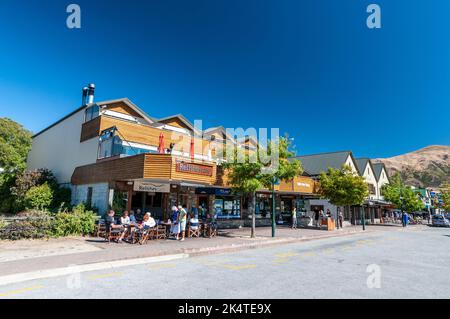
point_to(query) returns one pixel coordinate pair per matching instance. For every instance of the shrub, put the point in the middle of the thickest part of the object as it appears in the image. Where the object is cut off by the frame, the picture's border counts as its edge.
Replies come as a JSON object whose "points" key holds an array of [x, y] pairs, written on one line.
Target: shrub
{"points": [[79, 221], [39, 197], [2, 223], [34, 225]]}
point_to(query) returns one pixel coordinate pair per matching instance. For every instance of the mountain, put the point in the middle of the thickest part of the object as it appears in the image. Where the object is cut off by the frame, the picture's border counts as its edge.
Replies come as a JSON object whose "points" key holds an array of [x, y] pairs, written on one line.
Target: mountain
{"points": [[427, 167]]}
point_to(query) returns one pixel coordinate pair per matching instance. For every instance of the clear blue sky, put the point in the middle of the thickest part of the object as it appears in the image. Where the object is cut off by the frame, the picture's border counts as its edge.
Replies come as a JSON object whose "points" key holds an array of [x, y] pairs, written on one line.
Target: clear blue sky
{"points": [[311, 68]]}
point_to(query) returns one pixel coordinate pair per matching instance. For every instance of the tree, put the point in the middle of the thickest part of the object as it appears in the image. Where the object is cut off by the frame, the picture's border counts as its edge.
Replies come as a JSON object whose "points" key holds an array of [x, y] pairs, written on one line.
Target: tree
{"points": [[446, 198], [39, 197], [403, 197], [342, 187], [15, 143], [250, 172]]}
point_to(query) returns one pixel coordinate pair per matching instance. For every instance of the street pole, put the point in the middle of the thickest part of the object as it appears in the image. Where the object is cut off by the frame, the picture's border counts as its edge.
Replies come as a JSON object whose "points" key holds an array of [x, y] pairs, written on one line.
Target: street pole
{"points": [[363, 219], [273, 208]]}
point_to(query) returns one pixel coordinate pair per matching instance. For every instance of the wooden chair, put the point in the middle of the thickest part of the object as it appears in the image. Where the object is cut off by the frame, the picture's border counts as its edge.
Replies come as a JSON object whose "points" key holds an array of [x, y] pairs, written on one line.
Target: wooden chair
{"points": [[210, 230], [193, 232], [113, 234], [161, 232], [100, 228], [147, 234]]}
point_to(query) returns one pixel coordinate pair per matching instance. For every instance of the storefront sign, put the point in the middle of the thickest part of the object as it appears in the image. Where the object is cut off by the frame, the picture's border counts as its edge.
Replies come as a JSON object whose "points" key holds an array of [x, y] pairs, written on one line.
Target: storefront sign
{"points": [[194, 169], [213, 191], [151, 187]]}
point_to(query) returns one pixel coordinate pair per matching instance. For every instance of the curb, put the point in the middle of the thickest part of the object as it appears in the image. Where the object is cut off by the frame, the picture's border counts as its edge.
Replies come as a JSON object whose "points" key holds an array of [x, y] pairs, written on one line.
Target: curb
{"points": [[187, 253], [73, 269]]}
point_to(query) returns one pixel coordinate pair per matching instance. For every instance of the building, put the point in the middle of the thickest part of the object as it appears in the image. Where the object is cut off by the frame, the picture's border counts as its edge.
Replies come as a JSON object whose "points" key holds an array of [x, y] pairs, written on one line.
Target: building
{"points": [[374, 174], [113, 155]]}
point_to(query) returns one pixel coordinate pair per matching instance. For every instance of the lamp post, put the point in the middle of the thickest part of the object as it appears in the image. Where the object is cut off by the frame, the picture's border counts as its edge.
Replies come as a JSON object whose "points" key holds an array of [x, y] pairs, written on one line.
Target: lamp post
{"points": [[363, 219], [274, 182]]}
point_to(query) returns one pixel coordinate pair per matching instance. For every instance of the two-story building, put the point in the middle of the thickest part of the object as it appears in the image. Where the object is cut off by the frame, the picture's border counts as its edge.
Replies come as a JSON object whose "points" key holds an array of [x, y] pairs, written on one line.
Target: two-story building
{"points": [[113, 155]]}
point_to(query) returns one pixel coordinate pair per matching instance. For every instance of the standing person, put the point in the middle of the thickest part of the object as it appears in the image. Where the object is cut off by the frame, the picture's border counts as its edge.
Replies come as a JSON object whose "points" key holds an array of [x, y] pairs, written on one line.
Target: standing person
{"points": [[404, 219], [328, 212], [294, 218], [175, 228], [182, 220], [341, 219], [316, 217]]}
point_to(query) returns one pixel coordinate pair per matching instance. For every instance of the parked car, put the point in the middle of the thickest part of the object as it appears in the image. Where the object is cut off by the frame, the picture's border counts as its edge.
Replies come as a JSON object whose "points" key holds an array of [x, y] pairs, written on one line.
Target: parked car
{"points": [[440, 220]]}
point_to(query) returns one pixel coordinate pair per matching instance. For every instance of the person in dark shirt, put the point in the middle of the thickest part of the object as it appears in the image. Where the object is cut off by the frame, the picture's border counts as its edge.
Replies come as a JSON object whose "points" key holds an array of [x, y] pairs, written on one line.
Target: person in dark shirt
{"points": [[111, 224]]}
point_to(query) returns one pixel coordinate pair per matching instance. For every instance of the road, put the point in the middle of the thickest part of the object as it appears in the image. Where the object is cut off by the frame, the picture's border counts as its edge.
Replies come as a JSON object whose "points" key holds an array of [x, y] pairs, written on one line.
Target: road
{"points": [[389, 263]]}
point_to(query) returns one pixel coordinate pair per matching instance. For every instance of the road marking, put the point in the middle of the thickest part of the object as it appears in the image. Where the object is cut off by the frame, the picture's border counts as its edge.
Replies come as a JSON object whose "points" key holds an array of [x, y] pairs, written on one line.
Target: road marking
{"points": [[347, 248], [281, 260], [233, 267], [327, 251], [19, 291], [286, 255], [308, 254], [103, 276], [162, 266]]}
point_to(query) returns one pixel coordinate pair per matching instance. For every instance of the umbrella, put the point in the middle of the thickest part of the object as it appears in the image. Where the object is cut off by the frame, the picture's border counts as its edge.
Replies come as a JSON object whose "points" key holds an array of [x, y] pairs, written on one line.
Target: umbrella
{"points": [[192, 149], [161, 148]]}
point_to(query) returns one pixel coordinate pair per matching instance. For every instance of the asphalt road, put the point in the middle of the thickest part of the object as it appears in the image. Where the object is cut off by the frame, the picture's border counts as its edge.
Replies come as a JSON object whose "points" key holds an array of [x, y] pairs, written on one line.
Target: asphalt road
{"points": [[389, 263]]}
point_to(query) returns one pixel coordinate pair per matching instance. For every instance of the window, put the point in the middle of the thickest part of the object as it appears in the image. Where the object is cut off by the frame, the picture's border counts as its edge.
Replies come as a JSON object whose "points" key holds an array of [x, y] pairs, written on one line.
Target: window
{"points": [[227, 207], [91, 113], [89, 197]]}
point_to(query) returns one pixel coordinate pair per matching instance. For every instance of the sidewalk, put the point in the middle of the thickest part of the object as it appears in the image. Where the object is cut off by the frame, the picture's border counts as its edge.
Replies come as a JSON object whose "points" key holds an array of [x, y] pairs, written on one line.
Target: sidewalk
{"points": [[32, 256]]}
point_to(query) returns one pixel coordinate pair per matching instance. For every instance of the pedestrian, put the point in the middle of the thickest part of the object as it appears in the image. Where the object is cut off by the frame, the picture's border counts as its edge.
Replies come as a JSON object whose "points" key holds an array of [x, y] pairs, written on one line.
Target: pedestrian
{"points": [[294, 218], [175, 228], [341, 219], [316, 217], [404, 219], [182, 220], [328, 212]]}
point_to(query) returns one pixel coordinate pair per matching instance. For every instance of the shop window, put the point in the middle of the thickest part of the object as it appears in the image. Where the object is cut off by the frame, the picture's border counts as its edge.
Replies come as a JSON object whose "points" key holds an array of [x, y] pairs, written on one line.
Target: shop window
{"points": [[227, 207]]}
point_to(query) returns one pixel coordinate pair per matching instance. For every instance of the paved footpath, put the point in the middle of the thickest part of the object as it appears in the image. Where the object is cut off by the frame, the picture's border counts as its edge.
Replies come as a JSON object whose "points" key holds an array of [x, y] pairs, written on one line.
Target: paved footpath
{"points": [[383, 262], [33, 256]]}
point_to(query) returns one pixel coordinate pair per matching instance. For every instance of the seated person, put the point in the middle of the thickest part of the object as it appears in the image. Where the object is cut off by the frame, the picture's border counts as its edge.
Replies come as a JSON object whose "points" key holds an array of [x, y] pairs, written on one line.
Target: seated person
{"points": [[110, 224], [132, 218], [125, 219], [193, 222], [148, 222]]}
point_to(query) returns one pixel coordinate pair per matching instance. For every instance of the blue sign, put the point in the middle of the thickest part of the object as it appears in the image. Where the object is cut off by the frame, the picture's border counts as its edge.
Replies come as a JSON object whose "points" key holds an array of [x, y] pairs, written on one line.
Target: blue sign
{"points": [[213, 191]]}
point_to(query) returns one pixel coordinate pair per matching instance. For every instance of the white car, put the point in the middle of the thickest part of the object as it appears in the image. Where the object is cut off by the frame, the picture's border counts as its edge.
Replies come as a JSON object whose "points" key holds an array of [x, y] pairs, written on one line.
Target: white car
{"points": [[440, 220]]}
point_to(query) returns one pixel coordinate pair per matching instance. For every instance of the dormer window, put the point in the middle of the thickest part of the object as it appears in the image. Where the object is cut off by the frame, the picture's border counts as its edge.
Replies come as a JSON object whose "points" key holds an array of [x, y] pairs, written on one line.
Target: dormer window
{"points": [[91, 113]]}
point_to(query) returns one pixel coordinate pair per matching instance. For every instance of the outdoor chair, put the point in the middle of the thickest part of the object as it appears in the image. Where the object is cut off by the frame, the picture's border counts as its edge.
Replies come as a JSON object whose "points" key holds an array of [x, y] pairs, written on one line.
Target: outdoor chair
{"points": [[210, 230], [100, 228], [161, 232], [146, 234], [113, 234], [193, 232]]}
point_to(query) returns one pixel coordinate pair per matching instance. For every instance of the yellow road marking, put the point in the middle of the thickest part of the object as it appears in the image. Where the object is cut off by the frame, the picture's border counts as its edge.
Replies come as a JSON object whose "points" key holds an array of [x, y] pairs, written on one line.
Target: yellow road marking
{"points": [[286, 255], [102, 276], [162, 266], [281, 260], [327, 251], [308, 254], [346, 248], [232, 267], [19, 291]]}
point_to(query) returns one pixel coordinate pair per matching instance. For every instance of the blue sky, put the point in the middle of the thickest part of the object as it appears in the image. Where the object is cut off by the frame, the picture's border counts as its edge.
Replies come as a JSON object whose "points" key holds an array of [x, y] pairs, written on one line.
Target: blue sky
{"points": [[311, 68]]}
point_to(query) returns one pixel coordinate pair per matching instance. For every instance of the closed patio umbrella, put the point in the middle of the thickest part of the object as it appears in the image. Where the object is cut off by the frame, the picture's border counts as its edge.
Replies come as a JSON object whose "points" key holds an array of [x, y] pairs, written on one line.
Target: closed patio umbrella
{"points": [[192, 149], [161, 147]]}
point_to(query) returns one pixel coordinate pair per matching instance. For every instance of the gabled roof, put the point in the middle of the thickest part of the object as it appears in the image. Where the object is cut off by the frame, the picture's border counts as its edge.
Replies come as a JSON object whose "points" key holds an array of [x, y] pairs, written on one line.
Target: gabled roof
{"points": [[361, 164], [102, 103], [133, 106], [377, 169], [318, 163], [180, 117], [220, 129]]}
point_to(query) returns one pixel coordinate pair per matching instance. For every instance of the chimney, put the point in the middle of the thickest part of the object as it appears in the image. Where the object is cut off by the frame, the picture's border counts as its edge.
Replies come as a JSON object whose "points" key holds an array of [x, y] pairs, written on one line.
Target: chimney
{"points": [[84, 97], [91, 89]]}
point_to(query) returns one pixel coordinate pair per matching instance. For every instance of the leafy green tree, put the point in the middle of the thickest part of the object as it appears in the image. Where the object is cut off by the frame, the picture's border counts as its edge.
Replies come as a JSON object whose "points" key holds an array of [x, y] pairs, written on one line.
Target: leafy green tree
{"points": [[446, 197], [401, 196], [39, 197], [15, 143], [250, 172], [342, 187]]}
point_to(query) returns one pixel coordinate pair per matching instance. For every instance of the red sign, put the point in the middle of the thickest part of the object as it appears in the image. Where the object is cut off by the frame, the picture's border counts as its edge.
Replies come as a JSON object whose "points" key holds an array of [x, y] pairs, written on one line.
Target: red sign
{"points": [[194, 169]]}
